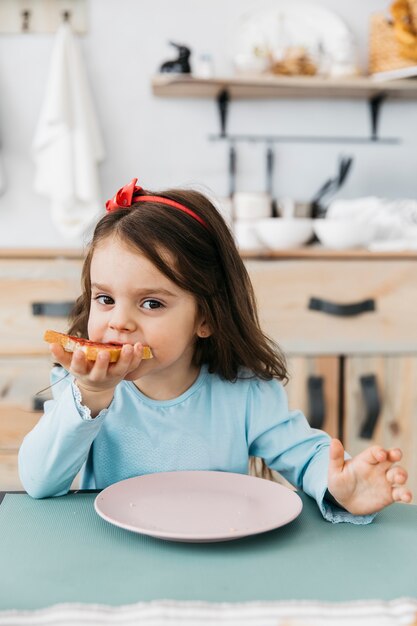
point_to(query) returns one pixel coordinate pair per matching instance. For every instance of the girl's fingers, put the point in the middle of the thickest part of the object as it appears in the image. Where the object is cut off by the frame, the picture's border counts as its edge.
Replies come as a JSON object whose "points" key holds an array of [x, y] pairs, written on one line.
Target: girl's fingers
{"points": [[401, 494], [123, 363], [98, 370], [129, 359], [394, 455], [95, 370], [78, 363], [397, 475], [138, 348], [101, 369], [375, 454], [59, 354], [337, 457], [102, 363]]}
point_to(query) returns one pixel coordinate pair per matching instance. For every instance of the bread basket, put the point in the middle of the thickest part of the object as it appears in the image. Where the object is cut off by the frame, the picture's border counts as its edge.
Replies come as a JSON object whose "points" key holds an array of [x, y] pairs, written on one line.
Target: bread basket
{"points": [[393, 38]]}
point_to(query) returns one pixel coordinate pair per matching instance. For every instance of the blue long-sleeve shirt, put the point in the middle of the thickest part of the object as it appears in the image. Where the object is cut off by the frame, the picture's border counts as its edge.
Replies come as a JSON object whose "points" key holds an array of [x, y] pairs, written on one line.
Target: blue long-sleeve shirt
{"points": [[214, 425]]}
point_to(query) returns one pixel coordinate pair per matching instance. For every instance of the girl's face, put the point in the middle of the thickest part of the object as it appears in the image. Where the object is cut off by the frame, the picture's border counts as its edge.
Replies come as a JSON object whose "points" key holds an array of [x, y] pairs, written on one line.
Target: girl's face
{"points": [[132, 301]]}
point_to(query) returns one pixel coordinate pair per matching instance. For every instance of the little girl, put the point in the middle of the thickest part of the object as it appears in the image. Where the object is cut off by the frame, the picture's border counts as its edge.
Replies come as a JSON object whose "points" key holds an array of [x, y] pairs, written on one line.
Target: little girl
{"points": [[163, 270]]}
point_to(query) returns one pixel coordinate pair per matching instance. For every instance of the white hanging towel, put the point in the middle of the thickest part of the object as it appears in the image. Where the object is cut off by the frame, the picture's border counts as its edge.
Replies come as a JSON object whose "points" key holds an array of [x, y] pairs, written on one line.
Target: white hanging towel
{"points": [[67, 145]]}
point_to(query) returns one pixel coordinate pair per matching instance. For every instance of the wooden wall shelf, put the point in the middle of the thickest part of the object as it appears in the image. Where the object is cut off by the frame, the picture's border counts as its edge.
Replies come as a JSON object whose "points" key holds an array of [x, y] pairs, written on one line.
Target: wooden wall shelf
{"points": [[252, 87]]}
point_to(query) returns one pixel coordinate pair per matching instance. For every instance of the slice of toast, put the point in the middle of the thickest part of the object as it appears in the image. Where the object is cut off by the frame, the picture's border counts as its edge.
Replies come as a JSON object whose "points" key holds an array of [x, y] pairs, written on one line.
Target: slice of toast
{"points": [[90, 348]]}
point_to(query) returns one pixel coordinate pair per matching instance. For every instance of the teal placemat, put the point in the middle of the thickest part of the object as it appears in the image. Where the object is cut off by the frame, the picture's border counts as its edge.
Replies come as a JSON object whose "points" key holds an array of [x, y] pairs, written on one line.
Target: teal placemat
{"points": [[59, 550]]}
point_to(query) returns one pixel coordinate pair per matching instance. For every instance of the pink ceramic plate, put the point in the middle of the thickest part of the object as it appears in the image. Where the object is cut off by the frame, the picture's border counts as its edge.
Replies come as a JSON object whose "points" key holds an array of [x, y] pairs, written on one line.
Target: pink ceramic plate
{"points": [[198, 506]]}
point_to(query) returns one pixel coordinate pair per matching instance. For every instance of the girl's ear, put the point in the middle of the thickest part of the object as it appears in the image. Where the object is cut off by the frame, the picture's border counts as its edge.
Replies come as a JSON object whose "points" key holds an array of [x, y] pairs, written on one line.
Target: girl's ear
{"points": [[203, 330]]}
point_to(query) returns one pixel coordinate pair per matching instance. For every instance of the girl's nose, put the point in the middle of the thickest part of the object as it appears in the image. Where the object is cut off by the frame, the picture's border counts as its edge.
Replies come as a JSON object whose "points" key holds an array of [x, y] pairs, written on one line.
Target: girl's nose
{"points": [[122, 321]]}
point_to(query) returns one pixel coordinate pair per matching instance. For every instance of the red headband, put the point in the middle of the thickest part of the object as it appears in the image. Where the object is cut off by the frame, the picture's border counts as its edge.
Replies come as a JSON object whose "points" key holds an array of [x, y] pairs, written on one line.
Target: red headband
{"points": [[129, 194]]}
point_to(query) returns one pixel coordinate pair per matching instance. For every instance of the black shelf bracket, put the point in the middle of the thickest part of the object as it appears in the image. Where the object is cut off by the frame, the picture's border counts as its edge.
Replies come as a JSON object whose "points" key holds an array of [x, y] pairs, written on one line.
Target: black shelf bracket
{"points": [[375, 108], [223, 100]]}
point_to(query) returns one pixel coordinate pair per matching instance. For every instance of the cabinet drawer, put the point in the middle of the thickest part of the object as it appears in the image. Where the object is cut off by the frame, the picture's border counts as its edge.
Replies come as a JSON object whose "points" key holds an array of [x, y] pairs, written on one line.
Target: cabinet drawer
{"points": [[284, 290], [24, 283], [21, 380]]}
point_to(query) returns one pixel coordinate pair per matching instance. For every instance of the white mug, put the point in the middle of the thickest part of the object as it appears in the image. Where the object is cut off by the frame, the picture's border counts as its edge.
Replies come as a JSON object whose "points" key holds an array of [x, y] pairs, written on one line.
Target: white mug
{"points": [[251, 206]]}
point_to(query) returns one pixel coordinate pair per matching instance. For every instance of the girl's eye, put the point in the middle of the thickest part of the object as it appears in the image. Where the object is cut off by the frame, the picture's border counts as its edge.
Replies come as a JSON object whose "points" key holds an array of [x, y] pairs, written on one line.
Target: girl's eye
{"points": [[104, 300], [151, 304]]}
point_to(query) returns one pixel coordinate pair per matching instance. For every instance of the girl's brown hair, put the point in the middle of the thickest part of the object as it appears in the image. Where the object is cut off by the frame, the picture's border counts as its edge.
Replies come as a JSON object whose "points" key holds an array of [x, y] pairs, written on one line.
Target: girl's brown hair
{"points": [[203, 261]]}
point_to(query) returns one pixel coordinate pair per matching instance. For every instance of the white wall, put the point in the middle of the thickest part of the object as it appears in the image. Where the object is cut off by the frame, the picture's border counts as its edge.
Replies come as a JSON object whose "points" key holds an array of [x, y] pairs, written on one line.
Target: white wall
{"points": [[165, 142]]}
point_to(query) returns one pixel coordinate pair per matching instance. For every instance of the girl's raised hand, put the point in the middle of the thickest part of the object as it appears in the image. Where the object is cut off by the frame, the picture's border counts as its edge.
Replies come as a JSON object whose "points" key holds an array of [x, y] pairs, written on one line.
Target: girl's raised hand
{"points": [[97, 380], [99, 375], [369, 481]]}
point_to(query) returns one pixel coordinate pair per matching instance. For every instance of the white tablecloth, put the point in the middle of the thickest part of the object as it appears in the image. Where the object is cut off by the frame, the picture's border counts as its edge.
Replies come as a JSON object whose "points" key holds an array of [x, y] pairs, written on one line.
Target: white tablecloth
{"points": [[401, 612]]}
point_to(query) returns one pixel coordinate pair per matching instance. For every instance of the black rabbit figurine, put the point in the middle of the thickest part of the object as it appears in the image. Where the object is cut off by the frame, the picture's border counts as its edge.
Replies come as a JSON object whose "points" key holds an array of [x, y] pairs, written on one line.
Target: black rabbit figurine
{"points": [[181, 65]]}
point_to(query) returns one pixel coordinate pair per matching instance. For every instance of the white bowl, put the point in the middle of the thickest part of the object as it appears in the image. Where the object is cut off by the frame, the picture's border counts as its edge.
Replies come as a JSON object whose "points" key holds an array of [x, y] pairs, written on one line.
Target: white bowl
{"points": [[246, 236], [340, 234], [278, 233]]}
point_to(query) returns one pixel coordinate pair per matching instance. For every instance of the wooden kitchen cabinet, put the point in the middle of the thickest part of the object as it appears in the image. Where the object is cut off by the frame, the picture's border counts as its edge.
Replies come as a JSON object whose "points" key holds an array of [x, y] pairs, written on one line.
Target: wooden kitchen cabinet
{"points": [[327, 354], [367, 350], [37, 289], [381, 406]]}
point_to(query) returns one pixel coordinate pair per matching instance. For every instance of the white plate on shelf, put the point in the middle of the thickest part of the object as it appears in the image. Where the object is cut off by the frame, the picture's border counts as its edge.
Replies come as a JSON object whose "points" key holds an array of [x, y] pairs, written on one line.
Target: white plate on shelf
{"points": [[265, 32], [198, 506]]}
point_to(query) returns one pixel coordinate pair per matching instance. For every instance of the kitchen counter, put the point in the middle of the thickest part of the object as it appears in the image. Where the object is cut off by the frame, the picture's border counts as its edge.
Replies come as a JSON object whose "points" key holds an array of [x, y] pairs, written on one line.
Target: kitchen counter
{"points": [[319, 252], [41, 253], [305, 252]]}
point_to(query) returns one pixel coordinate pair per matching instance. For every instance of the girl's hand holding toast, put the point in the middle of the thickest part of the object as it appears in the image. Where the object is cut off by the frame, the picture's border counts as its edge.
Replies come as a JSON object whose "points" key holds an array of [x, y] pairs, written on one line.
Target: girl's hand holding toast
{"points": [[368, 482], [97, 379]]}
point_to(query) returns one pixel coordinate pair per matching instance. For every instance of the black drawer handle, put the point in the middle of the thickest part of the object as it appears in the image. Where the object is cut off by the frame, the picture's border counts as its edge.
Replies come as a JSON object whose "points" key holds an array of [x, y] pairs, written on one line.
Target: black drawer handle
{"points": [[342, 310], [52, 309], [371, 398], [316, 409]]}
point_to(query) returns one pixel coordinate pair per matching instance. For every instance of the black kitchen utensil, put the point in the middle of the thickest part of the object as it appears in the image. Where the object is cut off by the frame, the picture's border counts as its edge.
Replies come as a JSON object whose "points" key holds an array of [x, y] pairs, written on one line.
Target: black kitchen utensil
{"points": [[270, 163], [321, 199], [232, 170], [345, 165]]}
